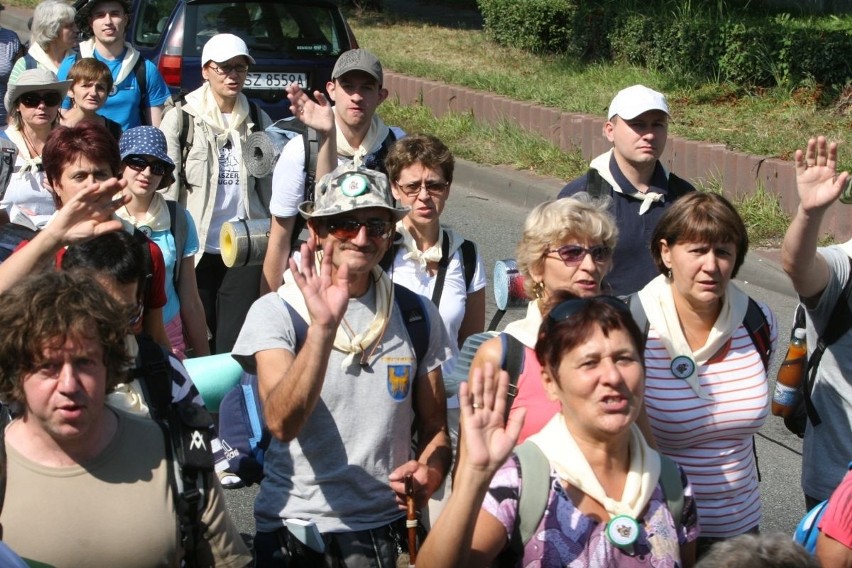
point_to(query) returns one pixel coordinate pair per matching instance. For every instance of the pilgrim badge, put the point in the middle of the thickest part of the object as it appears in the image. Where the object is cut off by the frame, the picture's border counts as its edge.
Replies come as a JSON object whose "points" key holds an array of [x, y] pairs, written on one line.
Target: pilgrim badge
{"points": [[683, 367], [146, 230], [354, 185], [622, 531]]}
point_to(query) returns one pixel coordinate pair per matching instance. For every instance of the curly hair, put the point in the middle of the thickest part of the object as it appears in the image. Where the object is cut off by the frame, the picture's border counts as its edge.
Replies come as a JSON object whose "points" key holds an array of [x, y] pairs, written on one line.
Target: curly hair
{"points": [[52, 307], [419, 149], [553, 222]]}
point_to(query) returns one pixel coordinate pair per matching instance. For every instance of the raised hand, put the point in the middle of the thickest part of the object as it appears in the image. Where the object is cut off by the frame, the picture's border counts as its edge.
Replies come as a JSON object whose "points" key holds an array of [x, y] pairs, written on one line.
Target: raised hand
{"points": [[318, 115], [89, 213], [488, 440], [817, 181], [326, 298]]}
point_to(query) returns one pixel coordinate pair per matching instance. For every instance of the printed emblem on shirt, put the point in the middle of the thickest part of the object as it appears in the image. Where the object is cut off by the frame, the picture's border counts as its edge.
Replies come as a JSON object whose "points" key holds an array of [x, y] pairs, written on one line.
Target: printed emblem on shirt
{"points": [[229, 168], [399, 381]]}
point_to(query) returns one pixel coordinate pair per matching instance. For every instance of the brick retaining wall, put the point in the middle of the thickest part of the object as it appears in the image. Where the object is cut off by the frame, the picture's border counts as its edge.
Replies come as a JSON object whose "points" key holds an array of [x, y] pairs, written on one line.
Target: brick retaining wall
{"points": [[740, 173]]}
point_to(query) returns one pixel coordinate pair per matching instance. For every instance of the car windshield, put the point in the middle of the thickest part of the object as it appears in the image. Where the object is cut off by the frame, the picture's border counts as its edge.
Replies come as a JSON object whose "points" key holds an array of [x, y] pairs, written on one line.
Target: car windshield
{"points": [[281, 29]]}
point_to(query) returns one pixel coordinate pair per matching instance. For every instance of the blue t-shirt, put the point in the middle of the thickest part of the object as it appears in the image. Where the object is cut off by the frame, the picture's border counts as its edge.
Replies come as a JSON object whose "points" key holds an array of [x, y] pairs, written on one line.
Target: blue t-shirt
{"points": [[166, 241], [125, 104]]}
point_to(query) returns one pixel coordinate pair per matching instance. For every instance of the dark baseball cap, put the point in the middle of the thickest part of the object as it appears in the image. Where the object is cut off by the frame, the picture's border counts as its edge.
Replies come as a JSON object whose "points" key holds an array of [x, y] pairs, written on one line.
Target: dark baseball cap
{"points": [[358, 60]]}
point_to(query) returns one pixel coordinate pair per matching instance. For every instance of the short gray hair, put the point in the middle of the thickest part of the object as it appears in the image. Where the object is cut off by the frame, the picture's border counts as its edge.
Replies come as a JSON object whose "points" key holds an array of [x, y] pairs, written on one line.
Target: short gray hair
{"points": [[777, 550], [48, 18]]}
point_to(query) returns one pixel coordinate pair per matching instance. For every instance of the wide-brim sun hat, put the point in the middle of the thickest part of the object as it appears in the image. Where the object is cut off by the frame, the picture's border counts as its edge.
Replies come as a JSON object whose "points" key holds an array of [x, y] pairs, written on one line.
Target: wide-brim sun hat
{"points": [[348, 188], [148, 141], [33, 80]]}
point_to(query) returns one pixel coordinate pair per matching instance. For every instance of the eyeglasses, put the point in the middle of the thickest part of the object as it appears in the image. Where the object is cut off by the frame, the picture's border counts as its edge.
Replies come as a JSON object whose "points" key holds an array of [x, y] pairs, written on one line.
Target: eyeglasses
{"points": [[346, 229], [136, 313], [572, 255], [432, 187], [568, 308], [228, 69], [138, 164], [32, 100]]}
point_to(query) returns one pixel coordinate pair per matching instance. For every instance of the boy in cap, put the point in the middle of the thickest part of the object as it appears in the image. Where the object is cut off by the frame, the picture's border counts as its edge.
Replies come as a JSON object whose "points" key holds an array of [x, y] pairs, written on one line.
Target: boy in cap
{"points": [[640, 187], [211, 180], [356, 89], [139, 91], [342, 383]]}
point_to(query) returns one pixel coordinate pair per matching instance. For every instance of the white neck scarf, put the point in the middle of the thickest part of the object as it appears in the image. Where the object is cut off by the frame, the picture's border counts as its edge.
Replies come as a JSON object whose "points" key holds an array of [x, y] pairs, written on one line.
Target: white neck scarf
{"points": [[658, 300], [37, 53], [205, 106], [601, 164], [526, 330], [343, 342], [376, 134], [87, 49], [30, 164], [156, 217], [571, 465], [431, 254]]}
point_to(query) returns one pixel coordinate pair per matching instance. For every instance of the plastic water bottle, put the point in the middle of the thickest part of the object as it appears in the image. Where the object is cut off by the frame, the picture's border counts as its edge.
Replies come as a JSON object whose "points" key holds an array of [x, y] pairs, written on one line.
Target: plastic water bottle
{"points": [[788, 384]]}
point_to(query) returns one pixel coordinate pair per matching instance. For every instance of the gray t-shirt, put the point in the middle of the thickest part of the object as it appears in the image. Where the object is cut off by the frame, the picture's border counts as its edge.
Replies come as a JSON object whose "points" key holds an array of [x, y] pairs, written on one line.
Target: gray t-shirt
{"points": [[335, 472], [828, 447]]}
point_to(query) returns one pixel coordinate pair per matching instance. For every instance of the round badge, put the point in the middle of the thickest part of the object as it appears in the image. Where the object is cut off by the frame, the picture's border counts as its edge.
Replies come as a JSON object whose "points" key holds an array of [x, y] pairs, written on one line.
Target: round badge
{"points": [[145, 230], [622, 531], [354, 185], [683, 366]]}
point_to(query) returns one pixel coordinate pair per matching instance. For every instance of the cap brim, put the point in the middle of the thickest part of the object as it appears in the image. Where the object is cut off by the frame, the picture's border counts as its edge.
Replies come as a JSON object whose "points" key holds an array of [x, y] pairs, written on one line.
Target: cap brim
{"points": [[306, 210]]}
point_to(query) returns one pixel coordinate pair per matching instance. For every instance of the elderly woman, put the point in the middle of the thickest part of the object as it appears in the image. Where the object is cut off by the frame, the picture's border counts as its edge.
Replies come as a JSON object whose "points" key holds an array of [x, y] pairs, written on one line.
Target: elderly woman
{"points": [[706, 386], [148, 168], [33, 103], [91, 83], [567, 245], [610, 497], [53, 37]]}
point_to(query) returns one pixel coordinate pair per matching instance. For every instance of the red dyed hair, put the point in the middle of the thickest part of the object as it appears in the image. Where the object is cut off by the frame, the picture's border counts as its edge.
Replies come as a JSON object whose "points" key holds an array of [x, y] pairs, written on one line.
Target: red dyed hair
{"points": [[67, 144]]}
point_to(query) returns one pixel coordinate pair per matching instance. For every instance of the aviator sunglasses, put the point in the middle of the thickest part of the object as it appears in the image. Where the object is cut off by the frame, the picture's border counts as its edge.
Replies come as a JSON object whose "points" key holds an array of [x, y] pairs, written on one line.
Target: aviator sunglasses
{"points": [[432, 187], [572, 255], [32, 100], [138, 164], [346, 229]]}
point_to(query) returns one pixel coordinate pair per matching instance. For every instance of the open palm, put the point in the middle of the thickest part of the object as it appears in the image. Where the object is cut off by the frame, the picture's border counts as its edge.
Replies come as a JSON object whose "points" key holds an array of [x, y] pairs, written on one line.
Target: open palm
{"points": [[817, 181]]}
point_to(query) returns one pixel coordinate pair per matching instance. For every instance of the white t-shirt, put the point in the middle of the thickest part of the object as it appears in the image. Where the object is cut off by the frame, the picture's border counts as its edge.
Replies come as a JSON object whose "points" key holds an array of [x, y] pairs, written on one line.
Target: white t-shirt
{"points": [[228, 205]]}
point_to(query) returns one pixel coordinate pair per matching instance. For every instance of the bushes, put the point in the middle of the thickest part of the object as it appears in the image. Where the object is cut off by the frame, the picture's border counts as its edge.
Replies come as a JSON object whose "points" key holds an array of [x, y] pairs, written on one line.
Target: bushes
{"points": [[699, 39]]}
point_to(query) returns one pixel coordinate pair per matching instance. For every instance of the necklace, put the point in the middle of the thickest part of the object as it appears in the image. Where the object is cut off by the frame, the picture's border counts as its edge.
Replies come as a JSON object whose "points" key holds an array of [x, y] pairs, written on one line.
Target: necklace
{"points": [[30, 146], [364, 361]]}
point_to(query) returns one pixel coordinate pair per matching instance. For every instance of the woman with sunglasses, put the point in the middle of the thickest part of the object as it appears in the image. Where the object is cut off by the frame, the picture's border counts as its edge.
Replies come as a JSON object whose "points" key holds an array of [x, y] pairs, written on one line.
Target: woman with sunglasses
{"points": [[706, 390], [567, 245], [611, 500], [148, 168], [91, 83], [33, 105]]}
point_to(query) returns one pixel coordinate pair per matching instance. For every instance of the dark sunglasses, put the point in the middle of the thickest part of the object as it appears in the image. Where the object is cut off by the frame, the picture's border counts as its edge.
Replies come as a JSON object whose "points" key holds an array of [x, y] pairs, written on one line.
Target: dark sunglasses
{"points": [[573, 255], [138, 164], [32, 100], [568, 308], [346, 229]]}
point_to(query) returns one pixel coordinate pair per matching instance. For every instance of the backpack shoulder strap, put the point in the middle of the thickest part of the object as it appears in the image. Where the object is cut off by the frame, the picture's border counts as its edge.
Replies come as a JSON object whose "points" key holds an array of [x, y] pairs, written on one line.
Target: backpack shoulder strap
{"points": [[638, 313], [679, 186], [468, 256], [153, 371], [254, 114], [415, 318], [311, 142], [144, 241], [29, 62], [513, 364], [441, 275], [535, 491], [594, 183], [179, 231], [672, 489], [142, 81], [758, 329], [186, 135]]}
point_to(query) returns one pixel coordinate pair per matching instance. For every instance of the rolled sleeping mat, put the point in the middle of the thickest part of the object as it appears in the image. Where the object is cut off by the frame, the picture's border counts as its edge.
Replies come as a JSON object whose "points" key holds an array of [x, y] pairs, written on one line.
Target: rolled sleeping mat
{"points": [[213, 375], [263, 148], [508, 285], [243, 242], [463, 361]]}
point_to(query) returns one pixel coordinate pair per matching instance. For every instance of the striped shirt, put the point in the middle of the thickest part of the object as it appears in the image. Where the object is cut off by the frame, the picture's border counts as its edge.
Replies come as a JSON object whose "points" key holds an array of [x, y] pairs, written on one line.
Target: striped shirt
{"points": [[712, 439]]}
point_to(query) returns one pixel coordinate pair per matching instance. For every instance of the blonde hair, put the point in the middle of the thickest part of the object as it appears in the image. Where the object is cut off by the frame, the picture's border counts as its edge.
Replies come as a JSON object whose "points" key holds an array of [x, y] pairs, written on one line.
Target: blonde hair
{"points": [[552, 222]]}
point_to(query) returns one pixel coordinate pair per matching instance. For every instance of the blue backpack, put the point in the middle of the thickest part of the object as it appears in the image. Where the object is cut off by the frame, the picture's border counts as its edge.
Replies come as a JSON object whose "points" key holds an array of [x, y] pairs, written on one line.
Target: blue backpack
{"points": [[242, 431]]}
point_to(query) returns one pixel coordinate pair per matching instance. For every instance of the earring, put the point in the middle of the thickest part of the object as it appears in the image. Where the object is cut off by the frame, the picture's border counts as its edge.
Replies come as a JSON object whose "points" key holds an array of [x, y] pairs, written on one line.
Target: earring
{"points": [[538, 290], [669, 273]]}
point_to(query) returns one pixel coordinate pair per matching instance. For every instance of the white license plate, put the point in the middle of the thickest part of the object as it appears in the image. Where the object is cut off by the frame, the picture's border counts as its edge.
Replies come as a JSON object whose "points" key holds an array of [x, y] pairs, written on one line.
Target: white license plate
{"points": [[275, 80]]}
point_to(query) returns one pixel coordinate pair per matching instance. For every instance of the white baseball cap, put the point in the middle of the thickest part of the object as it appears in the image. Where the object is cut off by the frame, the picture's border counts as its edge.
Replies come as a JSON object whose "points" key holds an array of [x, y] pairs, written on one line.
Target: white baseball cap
{"points": [[633, 101], [222, 47]]}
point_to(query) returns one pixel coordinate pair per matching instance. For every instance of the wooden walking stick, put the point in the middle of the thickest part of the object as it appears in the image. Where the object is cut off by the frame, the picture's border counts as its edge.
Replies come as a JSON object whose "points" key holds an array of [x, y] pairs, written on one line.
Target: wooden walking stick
{"points": [[411, 520]]}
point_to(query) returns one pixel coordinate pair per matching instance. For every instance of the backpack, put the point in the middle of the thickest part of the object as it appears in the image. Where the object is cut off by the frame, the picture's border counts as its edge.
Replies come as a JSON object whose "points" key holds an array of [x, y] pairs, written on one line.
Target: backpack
{"points": [[180, 232], [595, 185], [374, 161], [838, 325], [242, 429], [535, 490], [8, 155], [807, 531], [468, 258], [187, 433]]}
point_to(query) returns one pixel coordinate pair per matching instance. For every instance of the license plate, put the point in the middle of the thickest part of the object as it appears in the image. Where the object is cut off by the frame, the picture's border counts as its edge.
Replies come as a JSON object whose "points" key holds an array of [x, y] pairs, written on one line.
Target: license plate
{"points": [[264, 80]]}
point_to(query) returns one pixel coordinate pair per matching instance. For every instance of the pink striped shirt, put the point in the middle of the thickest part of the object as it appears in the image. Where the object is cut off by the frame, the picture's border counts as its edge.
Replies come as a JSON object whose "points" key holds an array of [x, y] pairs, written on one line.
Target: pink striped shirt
{"points": [[712, 439]]}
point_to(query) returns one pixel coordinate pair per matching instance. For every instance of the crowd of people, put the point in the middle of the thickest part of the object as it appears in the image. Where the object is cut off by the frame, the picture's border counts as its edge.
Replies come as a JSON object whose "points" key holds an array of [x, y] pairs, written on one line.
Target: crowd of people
{"points": [[613, 425]]}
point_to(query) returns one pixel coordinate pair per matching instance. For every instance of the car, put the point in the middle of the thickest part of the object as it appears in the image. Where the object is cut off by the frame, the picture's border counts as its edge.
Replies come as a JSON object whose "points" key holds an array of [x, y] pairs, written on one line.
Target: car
{"points": [[291, 41]]}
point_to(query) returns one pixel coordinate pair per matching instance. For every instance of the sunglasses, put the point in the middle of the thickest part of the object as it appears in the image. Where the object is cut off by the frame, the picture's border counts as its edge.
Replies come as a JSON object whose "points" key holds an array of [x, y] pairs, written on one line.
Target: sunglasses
{"points": [[572, 255], [138, 164], [32, 100], [136, 313], [414, 188], [347, 229], [568, 308]]}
